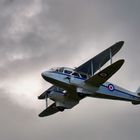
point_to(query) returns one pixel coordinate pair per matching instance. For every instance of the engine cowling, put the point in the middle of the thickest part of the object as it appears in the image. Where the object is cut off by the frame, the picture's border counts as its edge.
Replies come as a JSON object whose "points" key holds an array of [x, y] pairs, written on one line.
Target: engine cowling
{"points": [[61, 101], [56, 96]]}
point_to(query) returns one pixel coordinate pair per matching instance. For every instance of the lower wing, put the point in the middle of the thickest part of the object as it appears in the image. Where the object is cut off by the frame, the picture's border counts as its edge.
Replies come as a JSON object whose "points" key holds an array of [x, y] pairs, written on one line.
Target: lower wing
{"points": [[49, 111]]}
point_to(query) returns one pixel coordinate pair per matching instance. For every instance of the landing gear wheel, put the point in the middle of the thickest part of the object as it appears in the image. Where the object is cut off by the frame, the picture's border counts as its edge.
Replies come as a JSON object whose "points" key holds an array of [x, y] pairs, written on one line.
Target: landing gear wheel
{"points": [[61, 108]]}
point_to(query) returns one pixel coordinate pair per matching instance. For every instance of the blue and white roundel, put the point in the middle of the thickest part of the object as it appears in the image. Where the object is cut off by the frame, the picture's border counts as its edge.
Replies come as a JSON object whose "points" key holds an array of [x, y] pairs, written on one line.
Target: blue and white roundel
{"points": [[111, 87]]}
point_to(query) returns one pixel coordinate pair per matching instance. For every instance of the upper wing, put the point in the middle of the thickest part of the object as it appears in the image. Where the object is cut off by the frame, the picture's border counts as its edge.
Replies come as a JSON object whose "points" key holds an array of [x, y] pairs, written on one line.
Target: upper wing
{"points": [[49, 111], [99, 60], [105, 74]]}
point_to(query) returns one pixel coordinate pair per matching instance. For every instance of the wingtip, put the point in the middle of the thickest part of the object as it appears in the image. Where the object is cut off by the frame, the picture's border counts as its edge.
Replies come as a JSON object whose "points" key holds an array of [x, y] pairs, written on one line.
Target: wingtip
{"points": [[121, 43], [40, 115], [121, 61]]}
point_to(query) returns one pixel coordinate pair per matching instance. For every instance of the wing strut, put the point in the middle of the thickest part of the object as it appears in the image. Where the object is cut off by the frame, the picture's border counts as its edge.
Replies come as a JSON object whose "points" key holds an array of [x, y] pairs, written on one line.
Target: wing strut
{"points": [[92, 72], [110, 57]]}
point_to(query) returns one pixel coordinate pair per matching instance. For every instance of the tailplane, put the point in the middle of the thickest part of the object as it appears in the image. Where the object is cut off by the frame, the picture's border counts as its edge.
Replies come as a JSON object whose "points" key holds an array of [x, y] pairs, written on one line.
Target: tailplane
{"points": [[138, 94], [138, 91]]}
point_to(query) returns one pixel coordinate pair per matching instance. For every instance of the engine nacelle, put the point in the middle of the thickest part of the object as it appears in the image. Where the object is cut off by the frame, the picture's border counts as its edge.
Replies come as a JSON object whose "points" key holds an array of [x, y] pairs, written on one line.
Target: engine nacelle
{"points": [[67, 104], [56, 96], [48, 91], [62, 101]]}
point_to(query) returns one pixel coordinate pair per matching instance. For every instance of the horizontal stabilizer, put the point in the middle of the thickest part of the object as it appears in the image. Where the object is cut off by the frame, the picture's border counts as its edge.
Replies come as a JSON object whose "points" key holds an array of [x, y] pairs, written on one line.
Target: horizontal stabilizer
{"points": [[49, 111], [138, 91], [101, 77]]}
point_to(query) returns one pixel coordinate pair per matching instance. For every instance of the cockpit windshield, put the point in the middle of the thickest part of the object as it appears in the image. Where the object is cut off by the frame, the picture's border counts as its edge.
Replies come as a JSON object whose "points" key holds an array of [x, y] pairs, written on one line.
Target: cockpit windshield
{"points": [[62, 70], [53, 69], [69, 71]]}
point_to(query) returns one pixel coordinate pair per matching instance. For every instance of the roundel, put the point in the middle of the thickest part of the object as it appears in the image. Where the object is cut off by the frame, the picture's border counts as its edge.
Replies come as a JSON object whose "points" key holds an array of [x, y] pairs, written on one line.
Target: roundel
{"points": [[103, 75], [111, 87]]}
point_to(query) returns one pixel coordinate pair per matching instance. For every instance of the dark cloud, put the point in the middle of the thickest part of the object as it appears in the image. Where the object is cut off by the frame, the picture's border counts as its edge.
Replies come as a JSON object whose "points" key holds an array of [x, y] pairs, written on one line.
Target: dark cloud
{"points": [[39, 34]]}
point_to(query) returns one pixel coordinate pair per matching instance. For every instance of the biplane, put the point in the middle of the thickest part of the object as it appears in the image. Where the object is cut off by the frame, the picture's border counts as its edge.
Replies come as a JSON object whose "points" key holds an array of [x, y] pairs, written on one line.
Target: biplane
{"points": [[69, 86]]}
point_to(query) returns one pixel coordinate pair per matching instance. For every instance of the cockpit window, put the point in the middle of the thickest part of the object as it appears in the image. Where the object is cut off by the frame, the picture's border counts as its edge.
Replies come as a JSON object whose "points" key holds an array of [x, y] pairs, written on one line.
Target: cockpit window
{"points": [[61, 70], [53, 69], [75, 74], [67, 71], [57, 69]]}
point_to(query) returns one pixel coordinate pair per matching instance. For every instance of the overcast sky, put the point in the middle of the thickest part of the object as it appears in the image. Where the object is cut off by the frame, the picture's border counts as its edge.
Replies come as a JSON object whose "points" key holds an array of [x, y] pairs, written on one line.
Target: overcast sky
{"points": [[36, 35]]}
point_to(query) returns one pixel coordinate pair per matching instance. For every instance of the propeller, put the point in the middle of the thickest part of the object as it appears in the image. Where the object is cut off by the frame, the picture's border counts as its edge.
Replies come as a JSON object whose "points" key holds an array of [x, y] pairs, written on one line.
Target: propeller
{"points": [[46, 99], [45, 95]]}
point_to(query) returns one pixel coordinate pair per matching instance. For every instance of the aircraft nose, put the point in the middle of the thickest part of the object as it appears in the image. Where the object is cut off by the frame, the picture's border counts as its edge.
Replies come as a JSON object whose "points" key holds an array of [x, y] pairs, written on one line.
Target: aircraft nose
{"points": [[43, 74]]}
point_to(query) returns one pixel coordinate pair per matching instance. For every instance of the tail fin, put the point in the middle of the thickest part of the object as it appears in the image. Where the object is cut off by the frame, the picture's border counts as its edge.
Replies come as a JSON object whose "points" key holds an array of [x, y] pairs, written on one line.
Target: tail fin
{"points": [[138, 91]]}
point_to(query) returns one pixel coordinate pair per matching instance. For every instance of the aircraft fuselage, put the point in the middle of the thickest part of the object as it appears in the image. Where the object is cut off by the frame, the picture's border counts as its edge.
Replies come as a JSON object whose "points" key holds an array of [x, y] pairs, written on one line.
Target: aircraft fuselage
{"points": [[77, 84]]}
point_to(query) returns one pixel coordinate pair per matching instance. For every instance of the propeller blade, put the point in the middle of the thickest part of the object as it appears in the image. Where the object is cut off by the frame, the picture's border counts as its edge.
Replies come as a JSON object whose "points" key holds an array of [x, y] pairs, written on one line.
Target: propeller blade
{"points": [[46, 100]]}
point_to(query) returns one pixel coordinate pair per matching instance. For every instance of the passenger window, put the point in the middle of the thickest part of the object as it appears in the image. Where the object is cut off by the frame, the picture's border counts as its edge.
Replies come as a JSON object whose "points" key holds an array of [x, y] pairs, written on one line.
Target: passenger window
{"points": [[75, 74], [67, 71]]}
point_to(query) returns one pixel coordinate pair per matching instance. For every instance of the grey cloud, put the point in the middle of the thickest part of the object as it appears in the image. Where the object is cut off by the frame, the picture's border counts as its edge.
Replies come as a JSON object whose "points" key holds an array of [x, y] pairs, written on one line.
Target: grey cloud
{"points": [[53, 35]]}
